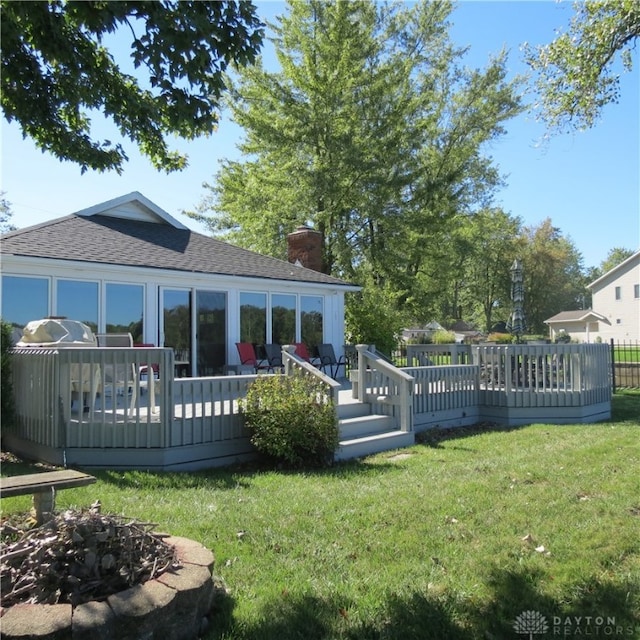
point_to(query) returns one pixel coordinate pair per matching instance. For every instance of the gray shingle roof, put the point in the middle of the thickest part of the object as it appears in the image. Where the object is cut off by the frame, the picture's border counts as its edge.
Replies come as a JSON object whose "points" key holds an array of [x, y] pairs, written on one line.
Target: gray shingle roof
{"points": [[109, 240], [575, 316]]}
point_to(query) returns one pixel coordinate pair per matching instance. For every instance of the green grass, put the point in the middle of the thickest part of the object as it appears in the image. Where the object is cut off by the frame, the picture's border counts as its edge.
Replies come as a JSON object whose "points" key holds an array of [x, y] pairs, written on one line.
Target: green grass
{"points": [[628, 353], [423, 545]]}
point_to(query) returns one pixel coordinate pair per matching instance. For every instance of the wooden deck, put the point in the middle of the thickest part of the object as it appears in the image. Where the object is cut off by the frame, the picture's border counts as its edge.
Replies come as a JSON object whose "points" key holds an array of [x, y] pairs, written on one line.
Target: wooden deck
{"points": [[195, 422]]}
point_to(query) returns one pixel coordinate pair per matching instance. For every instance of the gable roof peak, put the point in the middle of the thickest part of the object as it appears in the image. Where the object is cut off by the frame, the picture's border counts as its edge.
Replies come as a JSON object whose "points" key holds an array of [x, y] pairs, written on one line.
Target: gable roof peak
{"points": [[634, 256], [132, 206]]}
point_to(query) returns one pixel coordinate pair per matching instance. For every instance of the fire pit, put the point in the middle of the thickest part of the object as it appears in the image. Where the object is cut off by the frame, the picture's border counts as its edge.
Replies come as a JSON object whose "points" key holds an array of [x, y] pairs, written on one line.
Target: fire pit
{"points": [[64, 579]]}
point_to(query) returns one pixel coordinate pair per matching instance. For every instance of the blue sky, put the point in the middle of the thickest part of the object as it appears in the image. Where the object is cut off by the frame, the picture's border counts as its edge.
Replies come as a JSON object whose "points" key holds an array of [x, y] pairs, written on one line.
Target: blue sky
{"points": [[587, 183]]}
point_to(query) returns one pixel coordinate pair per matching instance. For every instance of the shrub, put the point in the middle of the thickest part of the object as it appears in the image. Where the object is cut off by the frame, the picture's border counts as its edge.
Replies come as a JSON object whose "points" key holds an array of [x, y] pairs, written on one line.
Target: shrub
{"points": [[292, 420], [501, 338], [443, 337], [6, 399]]}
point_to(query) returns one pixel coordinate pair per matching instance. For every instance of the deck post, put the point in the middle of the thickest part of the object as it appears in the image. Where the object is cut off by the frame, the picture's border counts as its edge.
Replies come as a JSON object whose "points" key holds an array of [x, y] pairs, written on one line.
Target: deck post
{"points": [[361, 391]]}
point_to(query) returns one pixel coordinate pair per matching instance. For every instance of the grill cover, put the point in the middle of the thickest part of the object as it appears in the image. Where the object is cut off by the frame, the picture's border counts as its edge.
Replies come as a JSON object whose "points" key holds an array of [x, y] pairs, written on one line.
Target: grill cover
{"points": [[57, 332]]}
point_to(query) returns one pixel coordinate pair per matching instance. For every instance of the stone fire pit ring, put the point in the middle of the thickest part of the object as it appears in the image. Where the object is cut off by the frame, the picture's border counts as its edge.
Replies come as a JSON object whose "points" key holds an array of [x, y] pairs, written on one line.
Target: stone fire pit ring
{"points": [[174, 606]]}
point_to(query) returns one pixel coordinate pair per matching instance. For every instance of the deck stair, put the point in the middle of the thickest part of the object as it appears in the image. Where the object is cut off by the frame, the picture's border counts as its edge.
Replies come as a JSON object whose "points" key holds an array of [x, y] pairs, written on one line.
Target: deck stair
{"points": [[363, 433]]}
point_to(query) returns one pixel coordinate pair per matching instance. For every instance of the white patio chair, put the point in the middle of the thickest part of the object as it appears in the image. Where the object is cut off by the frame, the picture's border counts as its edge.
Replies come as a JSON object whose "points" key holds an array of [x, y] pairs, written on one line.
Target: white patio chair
{"points": [[120, 377]]}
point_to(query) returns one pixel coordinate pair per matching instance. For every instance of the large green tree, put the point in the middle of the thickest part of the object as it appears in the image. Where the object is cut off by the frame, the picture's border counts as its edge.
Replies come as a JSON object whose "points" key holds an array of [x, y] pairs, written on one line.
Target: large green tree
{"points": [[58, 72], [615, 256], [493, 240], [373, 132], [576, 74], [554, 278]]}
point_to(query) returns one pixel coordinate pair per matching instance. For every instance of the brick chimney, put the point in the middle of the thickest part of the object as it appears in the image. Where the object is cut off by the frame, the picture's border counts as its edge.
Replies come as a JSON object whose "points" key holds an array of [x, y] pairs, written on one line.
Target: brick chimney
{"points": [[305, 248]]}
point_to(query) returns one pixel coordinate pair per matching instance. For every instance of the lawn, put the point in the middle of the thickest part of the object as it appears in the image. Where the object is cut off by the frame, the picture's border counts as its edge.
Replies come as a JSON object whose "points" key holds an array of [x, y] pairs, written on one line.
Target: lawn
{"points": [[451, 539]]}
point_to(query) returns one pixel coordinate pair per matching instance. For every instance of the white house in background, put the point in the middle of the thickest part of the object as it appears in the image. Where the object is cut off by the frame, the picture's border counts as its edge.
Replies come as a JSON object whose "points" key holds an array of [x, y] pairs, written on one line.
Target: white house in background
{"points": [[616, 295], [581, 325], [616, 308], [127, 266]]}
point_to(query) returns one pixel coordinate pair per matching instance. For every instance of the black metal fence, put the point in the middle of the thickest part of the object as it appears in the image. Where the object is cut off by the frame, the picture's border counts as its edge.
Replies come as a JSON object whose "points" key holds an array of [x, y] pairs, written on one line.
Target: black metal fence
{"points": [[625, 364]]}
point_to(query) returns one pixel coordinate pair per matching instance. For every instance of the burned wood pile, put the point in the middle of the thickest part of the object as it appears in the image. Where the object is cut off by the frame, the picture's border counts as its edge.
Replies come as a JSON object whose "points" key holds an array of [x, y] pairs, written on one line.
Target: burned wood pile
{"points": [[77, 557]]}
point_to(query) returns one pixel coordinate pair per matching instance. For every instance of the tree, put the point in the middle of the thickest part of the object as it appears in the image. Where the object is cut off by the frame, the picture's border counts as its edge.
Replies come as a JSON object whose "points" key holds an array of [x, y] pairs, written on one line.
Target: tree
{"points": [[57, 72], [372, 132], [493, 240], [5, 214], [553, 275], [576, 77], [614, 258]]}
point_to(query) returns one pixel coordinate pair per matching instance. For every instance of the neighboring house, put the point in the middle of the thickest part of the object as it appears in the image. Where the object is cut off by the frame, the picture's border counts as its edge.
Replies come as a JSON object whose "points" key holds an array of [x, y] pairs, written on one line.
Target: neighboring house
{"points": [[616, 307], [581, 325], [127, 266], [464, 332], [418, 334], [616, 295]]}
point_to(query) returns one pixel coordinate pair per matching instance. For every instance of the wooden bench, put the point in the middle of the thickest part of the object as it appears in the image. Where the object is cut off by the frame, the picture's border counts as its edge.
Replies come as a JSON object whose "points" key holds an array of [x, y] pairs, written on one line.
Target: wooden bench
{"points": [[43, 486]]}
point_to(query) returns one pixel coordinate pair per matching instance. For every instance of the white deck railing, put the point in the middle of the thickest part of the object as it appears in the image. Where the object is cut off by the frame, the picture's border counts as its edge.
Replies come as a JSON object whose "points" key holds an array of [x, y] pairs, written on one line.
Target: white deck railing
{"points": [[292, 362], [93, 397], [206, 410], [543, 375], [106, 399], [387, 388], [444, 388]]}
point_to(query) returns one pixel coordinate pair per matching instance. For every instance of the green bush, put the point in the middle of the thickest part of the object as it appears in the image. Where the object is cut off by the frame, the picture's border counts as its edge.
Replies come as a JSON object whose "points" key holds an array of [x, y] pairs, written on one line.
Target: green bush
{"points": [[441, 336], [292, 420], [6, 400], [501, 338]]}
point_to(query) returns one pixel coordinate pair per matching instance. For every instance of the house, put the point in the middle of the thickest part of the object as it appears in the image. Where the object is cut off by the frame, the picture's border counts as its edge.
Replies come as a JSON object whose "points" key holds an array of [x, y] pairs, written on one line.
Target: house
{"points": [[580, 325], [615, 313], [464, 332], [616, 295], [127, 266], [421, 334]]}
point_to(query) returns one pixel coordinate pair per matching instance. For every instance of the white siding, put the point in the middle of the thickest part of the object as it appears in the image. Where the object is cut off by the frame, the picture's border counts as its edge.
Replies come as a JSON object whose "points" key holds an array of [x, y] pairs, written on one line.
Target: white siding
{"points": [[623, 314]]}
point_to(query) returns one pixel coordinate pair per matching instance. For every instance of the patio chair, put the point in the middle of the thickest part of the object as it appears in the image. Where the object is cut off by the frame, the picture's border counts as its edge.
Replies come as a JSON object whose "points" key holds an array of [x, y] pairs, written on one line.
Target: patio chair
{"points": [[144, 368], [120, 377], [274, 356], [152, 375], [328, 359], [303, 352], [248, 358]]}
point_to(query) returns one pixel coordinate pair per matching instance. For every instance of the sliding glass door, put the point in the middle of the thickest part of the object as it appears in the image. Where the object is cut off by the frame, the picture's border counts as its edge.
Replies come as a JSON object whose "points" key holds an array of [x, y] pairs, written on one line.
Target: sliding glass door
{"points": [[194, 324], [176, 327], [211, 332]]}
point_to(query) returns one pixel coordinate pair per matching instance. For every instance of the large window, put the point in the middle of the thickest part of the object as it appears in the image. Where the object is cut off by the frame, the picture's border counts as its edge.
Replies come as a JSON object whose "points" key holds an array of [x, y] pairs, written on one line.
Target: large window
{"points": [[253, 318], [311, 320], [124, 312], [23, 300], [78, 300], [283, 318]]}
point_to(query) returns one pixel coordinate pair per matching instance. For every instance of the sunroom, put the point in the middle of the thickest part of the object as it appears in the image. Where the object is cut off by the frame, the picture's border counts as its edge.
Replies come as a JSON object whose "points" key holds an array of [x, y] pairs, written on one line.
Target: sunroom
{"points": [[127, 266]]}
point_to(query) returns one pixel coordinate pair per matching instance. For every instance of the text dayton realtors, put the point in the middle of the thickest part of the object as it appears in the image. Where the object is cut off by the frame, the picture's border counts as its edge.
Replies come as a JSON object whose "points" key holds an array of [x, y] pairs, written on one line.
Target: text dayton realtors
{"points": [[603, 626]]}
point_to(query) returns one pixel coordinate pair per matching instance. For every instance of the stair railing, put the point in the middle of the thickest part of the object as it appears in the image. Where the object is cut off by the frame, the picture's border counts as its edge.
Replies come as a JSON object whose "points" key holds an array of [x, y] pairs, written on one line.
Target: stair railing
{"points": [[383, 385], [293, 363]]}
